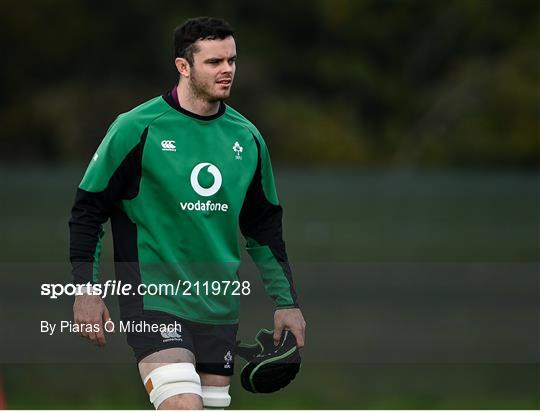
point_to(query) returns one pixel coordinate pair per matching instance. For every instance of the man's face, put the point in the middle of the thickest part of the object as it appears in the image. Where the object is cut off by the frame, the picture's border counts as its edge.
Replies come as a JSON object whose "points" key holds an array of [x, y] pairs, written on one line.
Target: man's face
{"points": [[214, 65]]}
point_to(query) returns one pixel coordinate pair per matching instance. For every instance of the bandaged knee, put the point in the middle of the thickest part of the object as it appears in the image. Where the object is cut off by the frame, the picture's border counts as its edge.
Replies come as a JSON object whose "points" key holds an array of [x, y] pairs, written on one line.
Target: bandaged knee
{"points": [[216, 397], [170, 380]]}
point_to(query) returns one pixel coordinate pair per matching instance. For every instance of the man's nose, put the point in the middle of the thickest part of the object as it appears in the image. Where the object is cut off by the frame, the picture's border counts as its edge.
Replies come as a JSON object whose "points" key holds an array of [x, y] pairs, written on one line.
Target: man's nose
{"points": [[228, 67]]}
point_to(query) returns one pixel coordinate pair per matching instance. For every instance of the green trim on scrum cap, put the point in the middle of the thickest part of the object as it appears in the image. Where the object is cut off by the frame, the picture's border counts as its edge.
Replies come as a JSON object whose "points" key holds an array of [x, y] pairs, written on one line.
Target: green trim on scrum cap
{"points": [[273, 359], [257, 342], [261, 332], [253, 345], [251, 350], [252, 374]]}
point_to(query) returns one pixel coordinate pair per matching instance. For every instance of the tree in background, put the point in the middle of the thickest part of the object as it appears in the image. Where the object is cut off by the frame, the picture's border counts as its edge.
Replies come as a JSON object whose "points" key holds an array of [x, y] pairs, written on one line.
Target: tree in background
{"points": [[368, 83]]}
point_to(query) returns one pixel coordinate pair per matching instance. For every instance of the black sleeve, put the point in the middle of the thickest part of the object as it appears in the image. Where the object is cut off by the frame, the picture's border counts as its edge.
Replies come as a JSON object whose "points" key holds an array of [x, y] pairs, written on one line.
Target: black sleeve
{"points": [[92, 209], [261, 224]]}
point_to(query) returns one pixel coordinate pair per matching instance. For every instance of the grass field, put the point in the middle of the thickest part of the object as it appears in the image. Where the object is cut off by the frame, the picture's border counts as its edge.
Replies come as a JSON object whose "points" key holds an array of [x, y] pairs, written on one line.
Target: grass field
{"points": [[421, 290]]}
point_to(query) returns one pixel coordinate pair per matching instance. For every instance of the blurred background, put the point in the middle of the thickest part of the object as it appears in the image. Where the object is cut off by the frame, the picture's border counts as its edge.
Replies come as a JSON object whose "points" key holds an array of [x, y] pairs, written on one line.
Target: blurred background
{"points": [[406, 146]]}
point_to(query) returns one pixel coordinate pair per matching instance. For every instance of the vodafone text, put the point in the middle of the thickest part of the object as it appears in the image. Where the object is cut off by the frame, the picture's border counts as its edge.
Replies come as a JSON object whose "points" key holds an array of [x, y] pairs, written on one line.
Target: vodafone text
{"points": [[207, 206]]}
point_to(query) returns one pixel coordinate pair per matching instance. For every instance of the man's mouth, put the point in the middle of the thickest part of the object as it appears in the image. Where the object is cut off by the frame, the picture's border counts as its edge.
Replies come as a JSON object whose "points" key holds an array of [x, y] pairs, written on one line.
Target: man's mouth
{"points": [[225, 82]]}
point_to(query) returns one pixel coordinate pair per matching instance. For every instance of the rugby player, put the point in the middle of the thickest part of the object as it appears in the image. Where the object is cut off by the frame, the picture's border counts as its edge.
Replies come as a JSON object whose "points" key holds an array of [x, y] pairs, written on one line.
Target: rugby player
{"points": [[176, 176]]}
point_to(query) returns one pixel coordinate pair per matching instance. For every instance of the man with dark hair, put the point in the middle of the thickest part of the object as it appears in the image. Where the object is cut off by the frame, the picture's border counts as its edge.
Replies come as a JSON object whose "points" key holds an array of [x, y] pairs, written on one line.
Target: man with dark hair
{"points": [[176, 176], [207, 28]]}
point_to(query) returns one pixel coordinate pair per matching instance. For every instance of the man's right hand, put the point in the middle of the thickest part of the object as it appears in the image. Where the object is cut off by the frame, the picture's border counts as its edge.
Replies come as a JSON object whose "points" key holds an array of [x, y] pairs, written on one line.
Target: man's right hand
{"points": [[90, 310]]}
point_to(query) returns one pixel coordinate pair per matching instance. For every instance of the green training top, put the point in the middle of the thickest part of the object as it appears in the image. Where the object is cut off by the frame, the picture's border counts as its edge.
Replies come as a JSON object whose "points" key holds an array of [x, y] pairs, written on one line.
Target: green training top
{"points": [[176, 187]]}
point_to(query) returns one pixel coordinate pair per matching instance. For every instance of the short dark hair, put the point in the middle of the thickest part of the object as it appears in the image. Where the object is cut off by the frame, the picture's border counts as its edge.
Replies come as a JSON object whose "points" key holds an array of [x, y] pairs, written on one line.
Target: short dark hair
{"points": [[198, 28]]}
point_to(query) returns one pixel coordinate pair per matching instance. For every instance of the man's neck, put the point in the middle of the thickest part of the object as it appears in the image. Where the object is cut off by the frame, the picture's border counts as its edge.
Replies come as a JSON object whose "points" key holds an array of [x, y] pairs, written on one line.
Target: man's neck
{"points": [[194, 104]]}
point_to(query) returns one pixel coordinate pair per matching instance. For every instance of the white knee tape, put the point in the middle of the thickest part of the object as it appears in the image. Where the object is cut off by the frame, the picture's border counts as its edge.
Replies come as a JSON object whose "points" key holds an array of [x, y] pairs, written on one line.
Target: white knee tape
{"points": [[216, 396], [170, 380]]}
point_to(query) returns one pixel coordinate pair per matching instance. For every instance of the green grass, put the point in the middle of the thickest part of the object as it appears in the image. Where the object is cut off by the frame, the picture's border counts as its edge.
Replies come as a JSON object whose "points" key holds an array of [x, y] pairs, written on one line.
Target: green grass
{"points": [[323, 386]]}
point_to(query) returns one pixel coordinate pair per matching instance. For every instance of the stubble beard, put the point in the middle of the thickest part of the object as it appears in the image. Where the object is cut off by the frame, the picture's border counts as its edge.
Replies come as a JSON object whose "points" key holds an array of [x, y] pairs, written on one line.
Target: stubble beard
{"points": [[202, 91]]}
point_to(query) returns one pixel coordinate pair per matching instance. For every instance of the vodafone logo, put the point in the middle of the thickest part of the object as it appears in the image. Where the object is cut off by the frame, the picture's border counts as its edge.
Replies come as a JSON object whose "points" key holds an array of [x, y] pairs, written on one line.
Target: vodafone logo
{"points": [[205, 206], [206, 191]]}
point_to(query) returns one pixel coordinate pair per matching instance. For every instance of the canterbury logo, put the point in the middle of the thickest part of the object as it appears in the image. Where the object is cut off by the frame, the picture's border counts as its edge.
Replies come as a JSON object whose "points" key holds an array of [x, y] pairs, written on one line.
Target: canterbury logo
{"points": [[206, 191], [168, 145], [171, 336]]}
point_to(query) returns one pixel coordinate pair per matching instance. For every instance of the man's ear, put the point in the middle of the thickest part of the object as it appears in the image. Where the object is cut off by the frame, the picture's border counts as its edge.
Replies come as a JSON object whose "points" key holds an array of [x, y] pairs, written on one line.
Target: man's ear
{"points": [[183, 67]]}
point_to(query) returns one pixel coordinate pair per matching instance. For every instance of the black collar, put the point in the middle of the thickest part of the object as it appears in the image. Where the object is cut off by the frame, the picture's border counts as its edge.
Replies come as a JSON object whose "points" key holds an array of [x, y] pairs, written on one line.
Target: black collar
{"points": [[172, 102]]}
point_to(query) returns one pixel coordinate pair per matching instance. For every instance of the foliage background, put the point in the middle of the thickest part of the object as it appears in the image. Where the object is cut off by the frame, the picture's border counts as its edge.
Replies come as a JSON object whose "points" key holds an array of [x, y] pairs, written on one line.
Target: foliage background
{"points": [[378, 83]]}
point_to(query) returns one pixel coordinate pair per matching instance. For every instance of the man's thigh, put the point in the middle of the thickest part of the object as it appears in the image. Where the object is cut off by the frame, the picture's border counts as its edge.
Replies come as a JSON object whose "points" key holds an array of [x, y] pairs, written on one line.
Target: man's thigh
{"points": [[214, 388], [164, 357], [193, 358]]}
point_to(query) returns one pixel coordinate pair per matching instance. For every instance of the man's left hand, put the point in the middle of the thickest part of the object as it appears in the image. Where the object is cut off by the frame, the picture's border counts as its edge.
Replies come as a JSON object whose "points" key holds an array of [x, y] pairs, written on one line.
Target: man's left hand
{"points": [[292, 320]]}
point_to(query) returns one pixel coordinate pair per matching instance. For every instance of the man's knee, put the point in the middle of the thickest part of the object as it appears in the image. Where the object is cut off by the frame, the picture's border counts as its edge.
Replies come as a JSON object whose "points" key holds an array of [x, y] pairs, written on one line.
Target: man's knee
{"points": [[177, 384], [185, 401], [216, 396]]}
